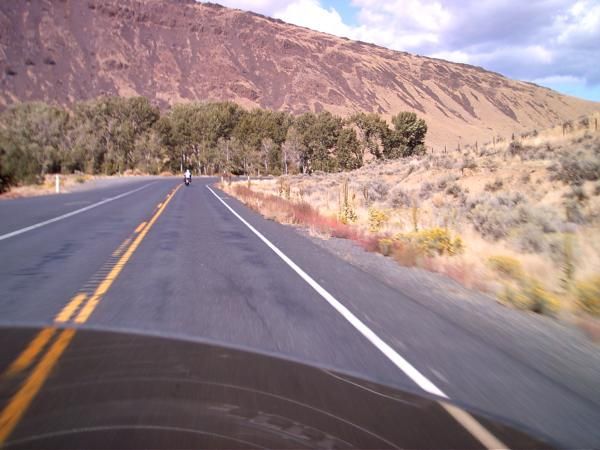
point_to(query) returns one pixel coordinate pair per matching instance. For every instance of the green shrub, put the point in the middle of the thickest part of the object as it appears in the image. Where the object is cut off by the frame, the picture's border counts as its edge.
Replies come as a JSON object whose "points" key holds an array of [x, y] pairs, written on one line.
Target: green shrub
{"points": [[407, 137], [574, 212], [444, 182], [467, 163], [506, 266], [405, 254], [515, 147], [587, 293], [494, 216], [512, 295], [284, 188], [454, 190], [414, 215], [374, 191], [426, 190], [540, 300], [495, 186], [575, 168], [576, 193], [18, 166], [457, 247], [433, 241], [492, 222], [346, 213], [529, 238], [377, 219], [509, 214], [543, 218], [529, 294], [399, 198], [566, 256], [385, 246]]}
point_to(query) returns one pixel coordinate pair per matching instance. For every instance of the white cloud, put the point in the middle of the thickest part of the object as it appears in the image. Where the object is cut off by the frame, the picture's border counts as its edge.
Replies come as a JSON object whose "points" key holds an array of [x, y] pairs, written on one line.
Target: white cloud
{"points": [[526, 55], [522, 39], [310, 14], [581, 24], [401, 25], [266, 7], [454, 55], [411, 14], [525, 39], [559, 79]]}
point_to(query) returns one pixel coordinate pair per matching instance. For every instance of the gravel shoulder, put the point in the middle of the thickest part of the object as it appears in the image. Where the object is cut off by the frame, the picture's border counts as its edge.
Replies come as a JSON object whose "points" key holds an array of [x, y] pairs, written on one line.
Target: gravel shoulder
{"points": [[556, 349]]}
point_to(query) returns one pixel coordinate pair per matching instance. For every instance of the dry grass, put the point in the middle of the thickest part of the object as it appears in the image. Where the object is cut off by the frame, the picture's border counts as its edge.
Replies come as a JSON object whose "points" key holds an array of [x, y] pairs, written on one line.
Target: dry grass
{"points": [[47, 186], [297, 212], [68, 183], [531, 199]]}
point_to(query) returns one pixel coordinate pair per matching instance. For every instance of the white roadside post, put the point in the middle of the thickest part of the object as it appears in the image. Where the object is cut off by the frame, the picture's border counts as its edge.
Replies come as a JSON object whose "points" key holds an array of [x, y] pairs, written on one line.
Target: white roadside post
{"points": [[57, 183]]}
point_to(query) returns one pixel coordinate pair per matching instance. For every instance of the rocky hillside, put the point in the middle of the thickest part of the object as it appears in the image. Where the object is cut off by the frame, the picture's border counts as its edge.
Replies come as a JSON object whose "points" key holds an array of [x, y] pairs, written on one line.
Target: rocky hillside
{"points": [[174, 51]]}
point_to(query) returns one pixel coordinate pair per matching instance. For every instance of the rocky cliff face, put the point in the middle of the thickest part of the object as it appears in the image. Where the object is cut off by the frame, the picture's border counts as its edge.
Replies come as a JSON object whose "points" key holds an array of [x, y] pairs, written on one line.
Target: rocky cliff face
{"points": [[176, 51]]}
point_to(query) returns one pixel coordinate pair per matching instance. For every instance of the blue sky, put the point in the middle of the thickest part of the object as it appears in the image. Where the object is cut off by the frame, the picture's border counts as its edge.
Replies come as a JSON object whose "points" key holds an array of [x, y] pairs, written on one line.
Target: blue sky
{"points": [[346, 10], [554, 43]]}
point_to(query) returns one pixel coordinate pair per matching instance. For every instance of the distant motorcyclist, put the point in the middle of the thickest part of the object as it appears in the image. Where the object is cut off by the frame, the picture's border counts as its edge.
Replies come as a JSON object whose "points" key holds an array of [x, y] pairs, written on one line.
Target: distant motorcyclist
{"points": [[187, 176]]}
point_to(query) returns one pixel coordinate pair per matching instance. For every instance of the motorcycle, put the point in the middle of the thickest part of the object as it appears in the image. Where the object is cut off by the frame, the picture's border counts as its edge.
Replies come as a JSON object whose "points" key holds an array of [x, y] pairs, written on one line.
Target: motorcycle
{"points": [[187, 180]]}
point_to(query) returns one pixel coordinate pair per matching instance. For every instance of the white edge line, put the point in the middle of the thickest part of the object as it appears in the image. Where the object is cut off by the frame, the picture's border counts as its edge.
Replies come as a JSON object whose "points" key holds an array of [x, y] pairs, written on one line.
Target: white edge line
{"points": [[484, 436], [72, 213], [398, 360]]}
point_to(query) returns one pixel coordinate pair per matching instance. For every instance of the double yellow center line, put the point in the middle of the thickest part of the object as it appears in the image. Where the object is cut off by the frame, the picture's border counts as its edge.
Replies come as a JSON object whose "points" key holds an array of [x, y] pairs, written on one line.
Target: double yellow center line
{"points": [[77, 309]]}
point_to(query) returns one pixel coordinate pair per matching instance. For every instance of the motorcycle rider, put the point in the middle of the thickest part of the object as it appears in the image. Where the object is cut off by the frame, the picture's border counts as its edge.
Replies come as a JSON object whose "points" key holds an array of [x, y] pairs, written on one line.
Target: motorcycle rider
{"points": [[187, 175]]}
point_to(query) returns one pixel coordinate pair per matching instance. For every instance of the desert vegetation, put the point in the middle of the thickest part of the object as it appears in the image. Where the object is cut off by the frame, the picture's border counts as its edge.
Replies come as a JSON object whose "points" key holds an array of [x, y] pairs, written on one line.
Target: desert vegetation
{"points": [[112, 135], [518, 218]]}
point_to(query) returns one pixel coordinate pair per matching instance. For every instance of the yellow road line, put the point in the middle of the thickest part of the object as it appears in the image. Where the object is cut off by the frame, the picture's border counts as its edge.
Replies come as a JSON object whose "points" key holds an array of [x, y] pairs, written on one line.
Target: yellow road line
{"points": [[140, 227], [31, 351], [70, 308], [18, 404], [14, 410], [105, 285]]}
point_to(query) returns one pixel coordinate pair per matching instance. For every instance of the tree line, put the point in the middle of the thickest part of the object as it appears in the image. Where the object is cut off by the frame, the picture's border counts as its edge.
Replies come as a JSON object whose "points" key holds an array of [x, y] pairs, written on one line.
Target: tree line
{"points": [[111, 135]]}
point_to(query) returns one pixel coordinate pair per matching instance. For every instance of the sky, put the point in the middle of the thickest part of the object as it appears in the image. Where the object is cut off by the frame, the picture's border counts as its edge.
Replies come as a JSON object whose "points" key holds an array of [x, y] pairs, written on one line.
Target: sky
{"points": [[554, 43]]}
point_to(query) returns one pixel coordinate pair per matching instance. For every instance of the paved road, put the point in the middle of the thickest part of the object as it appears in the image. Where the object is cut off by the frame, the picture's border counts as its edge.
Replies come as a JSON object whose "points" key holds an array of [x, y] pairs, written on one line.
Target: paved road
{"points": [[195, 270]]}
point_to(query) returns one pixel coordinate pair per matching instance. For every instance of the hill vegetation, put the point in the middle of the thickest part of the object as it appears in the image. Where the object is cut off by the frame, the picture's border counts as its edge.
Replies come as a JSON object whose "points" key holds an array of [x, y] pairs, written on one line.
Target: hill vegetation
{"points": [[112, 135], [518, 218]]}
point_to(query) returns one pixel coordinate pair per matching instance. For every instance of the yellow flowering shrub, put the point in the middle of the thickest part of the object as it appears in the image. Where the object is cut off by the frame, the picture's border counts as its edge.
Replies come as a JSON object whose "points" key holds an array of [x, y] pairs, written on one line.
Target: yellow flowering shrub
{"points": [[433, 241], [377, 219], [506, 266], [587, 293]]}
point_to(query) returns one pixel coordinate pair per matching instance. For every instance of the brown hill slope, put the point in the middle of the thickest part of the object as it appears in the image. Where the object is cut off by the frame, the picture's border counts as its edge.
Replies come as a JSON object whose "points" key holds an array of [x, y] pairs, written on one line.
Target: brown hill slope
{"points": [[174, 51]]}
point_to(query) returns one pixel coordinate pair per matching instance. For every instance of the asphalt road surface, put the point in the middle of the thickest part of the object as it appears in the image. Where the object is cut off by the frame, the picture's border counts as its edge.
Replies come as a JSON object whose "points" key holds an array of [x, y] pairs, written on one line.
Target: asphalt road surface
{"points": [[159, 258]]}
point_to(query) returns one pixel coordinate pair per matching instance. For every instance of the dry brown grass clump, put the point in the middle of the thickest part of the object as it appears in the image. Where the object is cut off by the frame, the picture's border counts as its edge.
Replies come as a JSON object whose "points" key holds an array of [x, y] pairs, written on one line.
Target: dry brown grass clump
{"points": [[47, 186]]}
